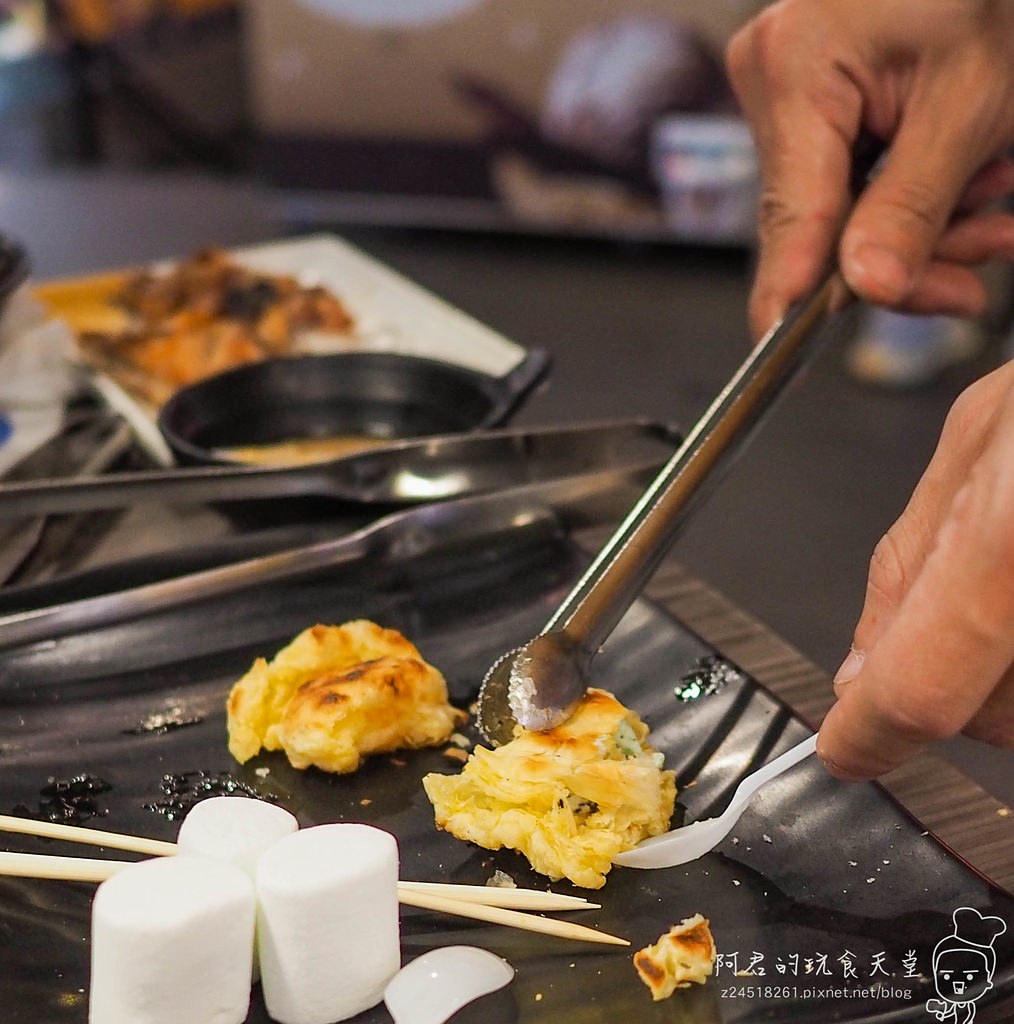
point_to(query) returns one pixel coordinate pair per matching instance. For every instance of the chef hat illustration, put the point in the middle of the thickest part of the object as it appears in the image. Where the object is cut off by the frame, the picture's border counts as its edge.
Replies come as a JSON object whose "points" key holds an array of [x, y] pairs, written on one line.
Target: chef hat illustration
{"points": [[972, 931]]}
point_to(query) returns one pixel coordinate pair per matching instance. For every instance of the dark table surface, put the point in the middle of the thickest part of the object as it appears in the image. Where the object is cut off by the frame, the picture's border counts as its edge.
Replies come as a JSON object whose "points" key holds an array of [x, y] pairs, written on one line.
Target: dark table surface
{"points": [[633, 329]]}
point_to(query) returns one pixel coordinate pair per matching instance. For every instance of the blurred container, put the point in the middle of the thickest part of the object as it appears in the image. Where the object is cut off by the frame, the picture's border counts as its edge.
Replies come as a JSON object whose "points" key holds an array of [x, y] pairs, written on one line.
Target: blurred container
{"points": [[705, 166]]}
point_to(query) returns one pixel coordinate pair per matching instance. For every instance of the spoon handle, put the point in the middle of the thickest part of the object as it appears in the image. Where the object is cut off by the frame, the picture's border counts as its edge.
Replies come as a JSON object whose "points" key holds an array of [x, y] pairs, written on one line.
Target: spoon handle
{"points": [[620, 570], [746, 789]]}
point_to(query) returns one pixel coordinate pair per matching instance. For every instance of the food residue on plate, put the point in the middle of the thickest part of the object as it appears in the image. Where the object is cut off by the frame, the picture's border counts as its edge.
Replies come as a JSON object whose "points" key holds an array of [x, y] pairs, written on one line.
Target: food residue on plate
{"points": [[501, 880], [683, 956], [158, 723], [181, 791], [70, 801]]}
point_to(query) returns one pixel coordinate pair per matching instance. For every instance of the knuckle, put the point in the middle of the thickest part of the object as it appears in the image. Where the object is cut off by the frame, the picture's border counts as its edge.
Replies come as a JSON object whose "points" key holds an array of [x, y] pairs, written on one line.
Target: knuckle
{"points": [[779, 214], [759, 47], [971, 413], [737, 56], [988, 616], [963, 412], [810, 219], [888, 579], [982, 530], [915, 202], [920, 721], [774, 213], [774, 28]]}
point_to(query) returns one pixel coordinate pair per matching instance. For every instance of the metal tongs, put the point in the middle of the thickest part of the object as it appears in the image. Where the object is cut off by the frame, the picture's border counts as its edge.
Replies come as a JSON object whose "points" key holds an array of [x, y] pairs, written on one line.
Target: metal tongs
{"points": [[407, 472], [531, 483], [539, 684]]}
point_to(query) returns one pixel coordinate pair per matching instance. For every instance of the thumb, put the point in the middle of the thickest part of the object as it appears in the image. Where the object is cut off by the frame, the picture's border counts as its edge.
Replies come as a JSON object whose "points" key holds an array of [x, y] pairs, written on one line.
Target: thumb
{"points": [[891, 234]]}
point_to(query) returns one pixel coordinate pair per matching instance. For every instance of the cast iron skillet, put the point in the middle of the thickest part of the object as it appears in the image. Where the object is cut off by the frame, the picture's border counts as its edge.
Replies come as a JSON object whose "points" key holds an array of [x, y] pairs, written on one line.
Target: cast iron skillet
{"points": [[377, 394]]}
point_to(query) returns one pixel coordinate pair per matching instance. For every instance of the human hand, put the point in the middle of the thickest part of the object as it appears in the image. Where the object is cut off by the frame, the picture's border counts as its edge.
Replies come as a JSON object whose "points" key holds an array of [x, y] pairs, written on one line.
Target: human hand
{"points": [[933, 653], [935, 79]]}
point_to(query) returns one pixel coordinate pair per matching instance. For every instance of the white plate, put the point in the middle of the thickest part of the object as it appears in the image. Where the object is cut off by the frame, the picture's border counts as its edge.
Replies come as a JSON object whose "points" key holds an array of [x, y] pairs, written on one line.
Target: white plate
{"points": [[391, 314]]}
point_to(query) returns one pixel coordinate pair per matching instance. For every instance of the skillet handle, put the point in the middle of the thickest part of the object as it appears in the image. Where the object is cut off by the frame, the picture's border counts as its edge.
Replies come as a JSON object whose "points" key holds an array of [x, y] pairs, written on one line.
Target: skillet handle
{"points": [[14, 268], [514, 387]]}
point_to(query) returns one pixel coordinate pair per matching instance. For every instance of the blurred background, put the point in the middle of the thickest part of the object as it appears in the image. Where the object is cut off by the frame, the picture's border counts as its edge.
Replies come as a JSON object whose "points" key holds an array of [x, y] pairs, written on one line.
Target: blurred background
{"points": [[588, 117], [572, 173]]}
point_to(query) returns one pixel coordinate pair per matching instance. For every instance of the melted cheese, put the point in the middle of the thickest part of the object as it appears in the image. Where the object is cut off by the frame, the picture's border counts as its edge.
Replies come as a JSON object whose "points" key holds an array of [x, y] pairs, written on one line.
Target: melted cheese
{"points": [[337, 693], [569, 799]]}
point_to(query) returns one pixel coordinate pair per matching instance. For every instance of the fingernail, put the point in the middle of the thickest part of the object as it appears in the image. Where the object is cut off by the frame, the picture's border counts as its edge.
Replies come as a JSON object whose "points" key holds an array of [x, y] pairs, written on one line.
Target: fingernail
{"points": [[849, 668], [872, 265]]}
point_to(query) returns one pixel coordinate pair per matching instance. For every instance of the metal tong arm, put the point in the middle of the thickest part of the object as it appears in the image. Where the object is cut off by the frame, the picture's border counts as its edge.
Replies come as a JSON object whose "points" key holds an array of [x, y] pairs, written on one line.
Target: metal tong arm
{"points": [[533, 510], [455, 464], [617, 575], [117, 490]]}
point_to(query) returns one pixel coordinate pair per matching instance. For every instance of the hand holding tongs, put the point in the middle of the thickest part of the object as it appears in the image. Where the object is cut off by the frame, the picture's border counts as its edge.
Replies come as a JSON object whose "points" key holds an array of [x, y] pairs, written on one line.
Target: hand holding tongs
{"points": [[539, 684]]}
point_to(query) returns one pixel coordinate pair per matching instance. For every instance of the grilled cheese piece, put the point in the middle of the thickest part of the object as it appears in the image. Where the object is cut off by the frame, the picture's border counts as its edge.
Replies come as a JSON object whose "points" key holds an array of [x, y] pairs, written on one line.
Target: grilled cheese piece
{"points": [[684, 956], [336, 694], [569, 799]]}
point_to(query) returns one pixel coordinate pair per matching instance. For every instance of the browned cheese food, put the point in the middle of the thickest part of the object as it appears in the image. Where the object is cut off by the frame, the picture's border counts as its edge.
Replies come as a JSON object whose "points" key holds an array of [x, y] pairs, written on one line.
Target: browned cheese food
{"points": [[336, 694], [683, 956], [569, 799]]}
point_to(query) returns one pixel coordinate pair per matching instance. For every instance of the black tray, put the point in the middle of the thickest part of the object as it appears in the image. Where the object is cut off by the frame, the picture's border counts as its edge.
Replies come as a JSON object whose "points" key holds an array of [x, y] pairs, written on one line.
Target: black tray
{"points": [[816, 868]]}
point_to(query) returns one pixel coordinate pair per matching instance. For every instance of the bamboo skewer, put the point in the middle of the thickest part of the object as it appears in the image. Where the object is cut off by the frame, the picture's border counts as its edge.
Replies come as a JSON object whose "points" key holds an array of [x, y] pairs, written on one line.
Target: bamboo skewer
{"points": [[83, 869], [518, 899], [511, 918], [64, 869], [493, 896], [93, 836]]}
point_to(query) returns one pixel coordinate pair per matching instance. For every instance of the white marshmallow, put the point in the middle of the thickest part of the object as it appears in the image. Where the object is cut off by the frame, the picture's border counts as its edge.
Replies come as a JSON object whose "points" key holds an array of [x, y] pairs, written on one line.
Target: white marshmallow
{"points": [[171, 941], [234, 829], [327, 919]]}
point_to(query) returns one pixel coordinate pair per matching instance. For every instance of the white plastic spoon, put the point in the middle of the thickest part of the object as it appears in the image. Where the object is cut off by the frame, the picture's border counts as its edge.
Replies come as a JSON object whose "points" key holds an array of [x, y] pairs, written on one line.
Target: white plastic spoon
{"points": [[685, 844]]}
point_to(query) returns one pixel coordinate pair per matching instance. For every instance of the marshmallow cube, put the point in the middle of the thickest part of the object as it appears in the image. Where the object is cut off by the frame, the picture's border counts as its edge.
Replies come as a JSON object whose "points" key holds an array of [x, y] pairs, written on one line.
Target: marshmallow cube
{"points": [[234, 829], [327, 920], [171, 941]]}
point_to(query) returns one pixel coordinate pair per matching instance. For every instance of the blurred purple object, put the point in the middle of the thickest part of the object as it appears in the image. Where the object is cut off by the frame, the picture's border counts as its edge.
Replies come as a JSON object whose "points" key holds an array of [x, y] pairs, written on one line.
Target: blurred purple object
{"points": [[614, 80]]}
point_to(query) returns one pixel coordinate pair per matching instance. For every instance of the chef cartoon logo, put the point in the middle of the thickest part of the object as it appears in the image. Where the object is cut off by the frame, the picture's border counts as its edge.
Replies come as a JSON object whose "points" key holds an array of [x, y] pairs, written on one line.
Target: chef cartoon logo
{"points": [[963, 965]]}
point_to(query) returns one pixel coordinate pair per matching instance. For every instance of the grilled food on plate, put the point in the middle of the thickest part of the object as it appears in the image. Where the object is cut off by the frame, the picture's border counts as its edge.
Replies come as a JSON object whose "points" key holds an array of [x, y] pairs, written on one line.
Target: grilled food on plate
{"points": [[164, 329], [569, 799], [336, 694], [684, 956]]}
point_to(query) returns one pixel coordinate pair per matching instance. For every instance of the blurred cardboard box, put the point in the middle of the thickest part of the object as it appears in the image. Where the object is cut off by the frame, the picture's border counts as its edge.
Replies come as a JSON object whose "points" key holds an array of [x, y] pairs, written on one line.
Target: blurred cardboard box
{"points": [[500, 113]]}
